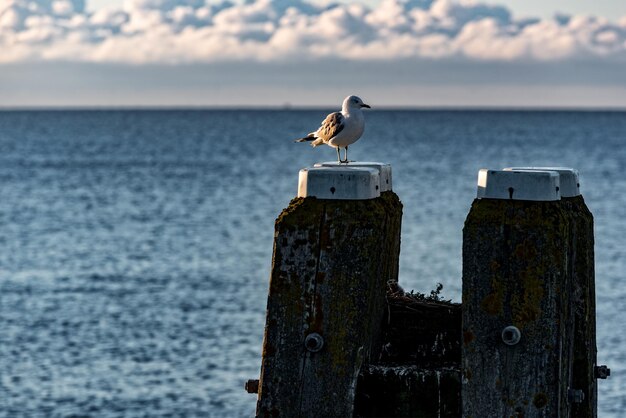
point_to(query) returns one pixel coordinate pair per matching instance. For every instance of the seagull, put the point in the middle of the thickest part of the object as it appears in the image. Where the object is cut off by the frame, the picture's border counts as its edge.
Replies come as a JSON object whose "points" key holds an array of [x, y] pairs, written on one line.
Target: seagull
{"points": [[340, 129]]}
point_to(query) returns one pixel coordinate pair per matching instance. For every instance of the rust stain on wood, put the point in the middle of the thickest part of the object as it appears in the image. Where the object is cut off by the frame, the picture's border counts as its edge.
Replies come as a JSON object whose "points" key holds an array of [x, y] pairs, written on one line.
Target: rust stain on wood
{"points": [[468, 337], [493, 303]]}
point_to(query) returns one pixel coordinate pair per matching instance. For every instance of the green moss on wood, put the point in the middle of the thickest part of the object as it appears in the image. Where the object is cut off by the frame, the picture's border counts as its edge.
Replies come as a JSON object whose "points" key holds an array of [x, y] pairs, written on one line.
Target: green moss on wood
{"points": [[493, 303], [526, 305], [518, 213]]}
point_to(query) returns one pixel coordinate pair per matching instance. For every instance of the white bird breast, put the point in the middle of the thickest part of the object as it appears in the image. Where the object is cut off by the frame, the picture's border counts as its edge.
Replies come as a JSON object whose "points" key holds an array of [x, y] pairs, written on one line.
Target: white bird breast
{"points": [[353, 129]]}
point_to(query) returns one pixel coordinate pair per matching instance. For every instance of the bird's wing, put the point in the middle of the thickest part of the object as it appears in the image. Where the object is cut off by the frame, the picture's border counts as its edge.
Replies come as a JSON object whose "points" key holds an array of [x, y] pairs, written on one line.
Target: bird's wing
{"points": [[331, 126]]}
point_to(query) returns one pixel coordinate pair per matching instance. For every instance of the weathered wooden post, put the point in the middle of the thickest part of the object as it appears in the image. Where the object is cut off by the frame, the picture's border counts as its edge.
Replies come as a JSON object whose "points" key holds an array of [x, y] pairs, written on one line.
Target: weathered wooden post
{"points": [[335, 248], [581, 270], [527, 270], [516, 355]]}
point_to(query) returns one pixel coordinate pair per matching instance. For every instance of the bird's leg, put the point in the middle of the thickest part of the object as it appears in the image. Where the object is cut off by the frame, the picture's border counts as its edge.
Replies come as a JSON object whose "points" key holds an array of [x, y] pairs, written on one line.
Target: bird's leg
{"points": [[339, 155], [347, 155]]}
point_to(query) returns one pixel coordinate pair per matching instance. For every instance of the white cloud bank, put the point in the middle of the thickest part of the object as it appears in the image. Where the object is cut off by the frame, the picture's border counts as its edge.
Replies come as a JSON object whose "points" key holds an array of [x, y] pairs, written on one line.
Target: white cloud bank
{"points": [[206, 31]]}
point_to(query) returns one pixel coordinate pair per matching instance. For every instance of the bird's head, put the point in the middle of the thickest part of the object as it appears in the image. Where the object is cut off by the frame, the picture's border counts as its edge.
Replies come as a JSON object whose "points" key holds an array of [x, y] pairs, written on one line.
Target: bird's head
{"points": [[354, 102]]}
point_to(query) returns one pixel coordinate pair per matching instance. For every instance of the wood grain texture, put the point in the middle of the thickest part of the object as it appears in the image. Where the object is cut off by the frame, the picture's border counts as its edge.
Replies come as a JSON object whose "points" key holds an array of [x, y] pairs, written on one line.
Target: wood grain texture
{"points": [[332, 260], [584, 306], [516, 272], [409, 391]]}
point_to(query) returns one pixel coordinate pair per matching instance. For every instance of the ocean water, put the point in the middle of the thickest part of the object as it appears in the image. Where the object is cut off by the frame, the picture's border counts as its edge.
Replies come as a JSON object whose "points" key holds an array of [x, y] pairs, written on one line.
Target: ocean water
{"points": [[135, 246]]}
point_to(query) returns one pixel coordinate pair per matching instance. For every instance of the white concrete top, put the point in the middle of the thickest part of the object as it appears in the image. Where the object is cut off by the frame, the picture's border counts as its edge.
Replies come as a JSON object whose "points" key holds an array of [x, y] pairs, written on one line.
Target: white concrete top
{"points": [[568, 177], [383, 168], [518, 185], [340, 182]]}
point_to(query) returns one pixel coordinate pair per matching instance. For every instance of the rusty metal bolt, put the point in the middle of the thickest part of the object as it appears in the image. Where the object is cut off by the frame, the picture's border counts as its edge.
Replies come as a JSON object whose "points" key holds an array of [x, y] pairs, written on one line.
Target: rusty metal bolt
{"points": [[252, 386], [575, 395], [601, 372], [511, 335], [314, 342]]}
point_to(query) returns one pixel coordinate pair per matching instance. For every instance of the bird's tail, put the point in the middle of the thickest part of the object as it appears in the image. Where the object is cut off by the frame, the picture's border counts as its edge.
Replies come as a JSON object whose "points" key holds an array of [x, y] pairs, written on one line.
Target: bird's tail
{"points": [[307, 138], [315, 141]]}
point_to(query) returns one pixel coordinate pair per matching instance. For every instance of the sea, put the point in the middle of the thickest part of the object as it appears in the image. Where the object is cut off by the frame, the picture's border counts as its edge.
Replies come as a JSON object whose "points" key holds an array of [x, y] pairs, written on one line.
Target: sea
{"points": [[135, 245]]}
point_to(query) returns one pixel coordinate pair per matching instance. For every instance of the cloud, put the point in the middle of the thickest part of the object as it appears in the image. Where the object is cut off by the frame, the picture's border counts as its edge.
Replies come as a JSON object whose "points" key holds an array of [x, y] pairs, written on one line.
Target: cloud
{"points": [[206, 31]]}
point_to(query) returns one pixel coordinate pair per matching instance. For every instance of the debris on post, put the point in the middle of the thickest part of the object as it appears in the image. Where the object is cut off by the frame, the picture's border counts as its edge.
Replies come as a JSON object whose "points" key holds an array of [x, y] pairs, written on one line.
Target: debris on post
{"points": [[418, 372]]}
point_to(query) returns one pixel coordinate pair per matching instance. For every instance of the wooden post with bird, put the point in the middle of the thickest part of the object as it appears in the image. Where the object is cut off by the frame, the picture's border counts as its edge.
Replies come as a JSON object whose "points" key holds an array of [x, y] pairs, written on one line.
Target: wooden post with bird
{"points": [[335, 249]]}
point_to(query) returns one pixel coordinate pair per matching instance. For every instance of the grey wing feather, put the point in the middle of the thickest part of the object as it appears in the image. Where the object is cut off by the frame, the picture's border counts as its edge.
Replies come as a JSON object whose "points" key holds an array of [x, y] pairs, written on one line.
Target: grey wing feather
{"points": [[331, 126]]}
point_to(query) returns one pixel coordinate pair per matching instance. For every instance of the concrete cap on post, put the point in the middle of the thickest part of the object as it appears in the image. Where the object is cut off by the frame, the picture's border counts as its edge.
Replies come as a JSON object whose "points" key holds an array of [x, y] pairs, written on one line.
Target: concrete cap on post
{"points": [[339, 183], [518, 185], [568, 178], [383, 168]]}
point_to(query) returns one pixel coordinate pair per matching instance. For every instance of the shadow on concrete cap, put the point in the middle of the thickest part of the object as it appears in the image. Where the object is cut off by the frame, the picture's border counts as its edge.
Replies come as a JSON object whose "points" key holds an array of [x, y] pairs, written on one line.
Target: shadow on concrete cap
{"points": [[339, 182], [383, 168], [518, 185], [568, 178]]}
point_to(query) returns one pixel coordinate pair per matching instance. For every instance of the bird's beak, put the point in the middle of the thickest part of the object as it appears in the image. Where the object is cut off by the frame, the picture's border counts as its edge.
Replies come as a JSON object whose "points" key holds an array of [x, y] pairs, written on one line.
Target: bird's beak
{"points": [[365, 105]]}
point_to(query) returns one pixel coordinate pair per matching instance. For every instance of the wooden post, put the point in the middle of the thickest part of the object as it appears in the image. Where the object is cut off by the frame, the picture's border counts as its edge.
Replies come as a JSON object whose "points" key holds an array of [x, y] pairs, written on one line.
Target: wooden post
{"points": [[523, 267], [332, 260], [581, 267], [583, 271]]}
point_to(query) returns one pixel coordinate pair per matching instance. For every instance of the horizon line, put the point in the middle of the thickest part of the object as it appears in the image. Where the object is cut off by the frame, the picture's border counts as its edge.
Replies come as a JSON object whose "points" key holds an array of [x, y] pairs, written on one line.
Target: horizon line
{"points": [[288, 107]]}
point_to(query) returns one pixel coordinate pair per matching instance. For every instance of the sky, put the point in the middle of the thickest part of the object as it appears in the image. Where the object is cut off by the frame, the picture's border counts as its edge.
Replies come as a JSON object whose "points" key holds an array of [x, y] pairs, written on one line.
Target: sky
{"points": [[393, 53], [536, 8]]}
